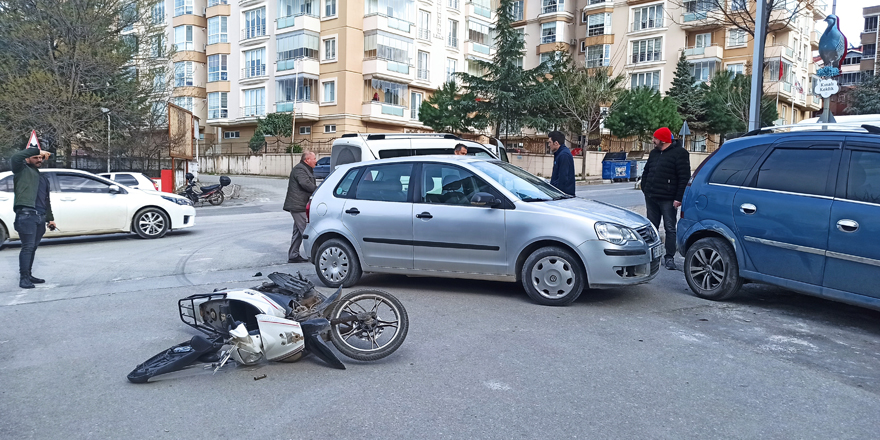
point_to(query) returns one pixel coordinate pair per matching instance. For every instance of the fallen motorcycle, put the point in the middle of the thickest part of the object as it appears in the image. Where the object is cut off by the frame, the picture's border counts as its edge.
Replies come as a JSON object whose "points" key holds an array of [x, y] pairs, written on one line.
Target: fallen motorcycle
{"points": [[282, 320]]}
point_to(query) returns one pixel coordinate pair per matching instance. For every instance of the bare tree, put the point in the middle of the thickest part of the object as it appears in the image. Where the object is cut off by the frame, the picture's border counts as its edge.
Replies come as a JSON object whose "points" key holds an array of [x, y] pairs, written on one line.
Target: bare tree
{"points": [[739, 14]]}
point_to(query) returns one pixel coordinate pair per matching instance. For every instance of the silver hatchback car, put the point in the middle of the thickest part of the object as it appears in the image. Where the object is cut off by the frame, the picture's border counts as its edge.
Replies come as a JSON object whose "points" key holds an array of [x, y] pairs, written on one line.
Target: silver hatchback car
{"points": [[462, 217]]}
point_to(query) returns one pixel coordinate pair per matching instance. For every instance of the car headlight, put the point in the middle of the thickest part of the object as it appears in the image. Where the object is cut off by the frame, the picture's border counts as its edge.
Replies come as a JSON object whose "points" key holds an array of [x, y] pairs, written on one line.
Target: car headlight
{"points": [[179, 201], [615, 234]]}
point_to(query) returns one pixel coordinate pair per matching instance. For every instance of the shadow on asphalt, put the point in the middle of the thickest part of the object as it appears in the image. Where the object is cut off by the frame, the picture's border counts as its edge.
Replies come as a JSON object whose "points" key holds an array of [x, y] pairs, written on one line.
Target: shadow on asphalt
{"points": [[92, 239]]}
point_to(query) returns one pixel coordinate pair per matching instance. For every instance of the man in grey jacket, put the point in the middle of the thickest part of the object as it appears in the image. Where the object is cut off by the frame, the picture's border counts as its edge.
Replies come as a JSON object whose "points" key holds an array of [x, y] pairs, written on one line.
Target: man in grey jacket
{"points": [[299, 189]]}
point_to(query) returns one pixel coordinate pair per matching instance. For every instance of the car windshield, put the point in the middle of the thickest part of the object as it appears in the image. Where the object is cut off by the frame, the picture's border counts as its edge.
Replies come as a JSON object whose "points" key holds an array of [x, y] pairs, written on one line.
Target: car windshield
{"points": [[527, 187]]}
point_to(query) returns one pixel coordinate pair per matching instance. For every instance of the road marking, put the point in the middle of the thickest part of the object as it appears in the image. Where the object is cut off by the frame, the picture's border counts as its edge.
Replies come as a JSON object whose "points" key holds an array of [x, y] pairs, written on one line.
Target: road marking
{"points": [[497, 386]]}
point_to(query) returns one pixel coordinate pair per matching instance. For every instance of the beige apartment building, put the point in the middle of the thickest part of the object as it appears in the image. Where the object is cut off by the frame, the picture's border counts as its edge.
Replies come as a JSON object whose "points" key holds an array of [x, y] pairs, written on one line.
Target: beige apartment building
{"points": [[644, 38], [340, 66], [869, 39]]}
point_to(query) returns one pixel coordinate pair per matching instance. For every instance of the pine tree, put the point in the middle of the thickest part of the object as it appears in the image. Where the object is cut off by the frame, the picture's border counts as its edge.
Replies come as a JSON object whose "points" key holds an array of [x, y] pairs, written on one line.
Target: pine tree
{"points": [[448, 111], [864, 99], [687, 94], [640, 111]]}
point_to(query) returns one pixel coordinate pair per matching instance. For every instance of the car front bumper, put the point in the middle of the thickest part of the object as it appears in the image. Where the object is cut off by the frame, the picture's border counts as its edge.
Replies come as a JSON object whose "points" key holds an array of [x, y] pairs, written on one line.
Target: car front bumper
{"points": [[610, 265], [183, 217]]}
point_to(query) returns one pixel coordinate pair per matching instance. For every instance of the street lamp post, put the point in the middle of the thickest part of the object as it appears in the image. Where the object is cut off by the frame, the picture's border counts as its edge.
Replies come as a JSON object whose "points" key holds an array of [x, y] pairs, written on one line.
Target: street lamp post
{"points": [[106, 111]]}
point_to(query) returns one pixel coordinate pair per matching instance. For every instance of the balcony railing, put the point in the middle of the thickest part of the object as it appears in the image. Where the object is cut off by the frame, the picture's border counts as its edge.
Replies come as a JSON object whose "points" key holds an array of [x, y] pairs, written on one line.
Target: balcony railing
{"points": [[552, 8], [216, 2], [253, 32], [548, 39], [424, 34], [452, 41], [254, 71], [422, 74], [253, 110], [218, 113], [287, 106]]}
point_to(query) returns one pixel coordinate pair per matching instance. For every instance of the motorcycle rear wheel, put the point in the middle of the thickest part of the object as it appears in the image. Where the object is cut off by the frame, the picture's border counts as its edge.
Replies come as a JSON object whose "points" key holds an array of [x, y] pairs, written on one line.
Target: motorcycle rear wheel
{"points": [[217, 198], [371, 339]]}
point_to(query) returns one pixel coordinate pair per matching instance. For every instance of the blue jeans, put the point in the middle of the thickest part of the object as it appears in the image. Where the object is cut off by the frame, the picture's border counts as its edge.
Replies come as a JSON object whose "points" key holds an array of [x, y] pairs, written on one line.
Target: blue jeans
{"points": [[663, 208], [31, 225]]}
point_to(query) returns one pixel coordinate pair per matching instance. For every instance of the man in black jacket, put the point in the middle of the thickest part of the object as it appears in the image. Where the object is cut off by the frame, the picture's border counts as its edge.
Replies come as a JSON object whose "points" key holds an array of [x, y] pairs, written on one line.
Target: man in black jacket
{"points": [[299, 188], [664, 180], [563, 163], [33, 212]]}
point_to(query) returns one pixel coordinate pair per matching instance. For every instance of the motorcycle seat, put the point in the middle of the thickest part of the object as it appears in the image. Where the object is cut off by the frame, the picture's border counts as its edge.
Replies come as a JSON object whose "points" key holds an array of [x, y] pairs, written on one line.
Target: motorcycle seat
{"points": [[210, 188]]}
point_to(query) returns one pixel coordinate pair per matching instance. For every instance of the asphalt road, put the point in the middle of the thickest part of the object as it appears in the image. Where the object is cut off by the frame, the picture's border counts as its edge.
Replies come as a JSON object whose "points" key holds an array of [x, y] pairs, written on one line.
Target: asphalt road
{"points": [[481, 361]]}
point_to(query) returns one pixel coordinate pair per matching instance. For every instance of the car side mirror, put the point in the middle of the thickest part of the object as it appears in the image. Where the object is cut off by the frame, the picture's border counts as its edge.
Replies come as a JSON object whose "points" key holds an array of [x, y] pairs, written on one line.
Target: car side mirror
{"points": [[114, 189], [484, 199]]}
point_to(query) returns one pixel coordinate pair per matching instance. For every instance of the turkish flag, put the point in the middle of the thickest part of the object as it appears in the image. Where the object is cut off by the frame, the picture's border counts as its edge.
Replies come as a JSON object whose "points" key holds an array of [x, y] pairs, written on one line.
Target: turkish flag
{"points": [[780, 67], [33, 142]]}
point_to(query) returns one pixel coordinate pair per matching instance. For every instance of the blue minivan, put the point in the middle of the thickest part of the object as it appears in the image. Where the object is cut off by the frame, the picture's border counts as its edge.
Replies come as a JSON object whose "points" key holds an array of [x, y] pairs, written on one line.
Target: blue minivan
{"points": [[799, 210]]}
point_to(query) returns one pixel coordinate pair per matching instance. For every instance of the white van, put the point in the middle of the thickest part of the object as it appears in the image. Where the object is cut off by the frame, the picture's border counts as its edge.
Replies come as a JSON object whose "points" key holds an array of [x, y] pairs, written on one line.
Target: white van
{"points": [[359, 147]]}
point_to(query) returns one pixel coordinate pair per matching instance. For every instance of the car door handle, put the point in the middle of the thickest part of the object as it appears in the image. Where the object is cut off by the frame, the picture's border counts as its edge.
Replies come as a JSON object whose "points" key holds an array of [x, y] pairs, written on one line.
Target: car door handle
{"points": [[68, 199], [352, 211], [846, 225], [748, 208], [424, 215]]}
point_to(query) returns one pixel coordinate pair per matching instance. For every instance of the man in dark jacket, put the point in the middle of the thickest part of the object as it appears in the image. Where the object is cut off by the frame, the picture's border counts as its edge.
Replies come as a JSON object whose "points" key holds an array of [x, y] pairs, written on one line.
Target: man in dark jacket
{"points": [[663, 181], [33, 212], [299, 188], [563, 163]]}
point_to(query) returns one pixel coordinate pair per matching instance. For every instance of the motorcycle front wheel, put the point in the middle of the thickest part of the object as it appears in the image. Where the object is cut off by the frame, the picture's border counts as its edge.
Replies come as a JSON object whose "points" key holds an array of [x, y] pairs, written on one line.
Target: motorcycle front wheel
{"points": [[375, 337]]}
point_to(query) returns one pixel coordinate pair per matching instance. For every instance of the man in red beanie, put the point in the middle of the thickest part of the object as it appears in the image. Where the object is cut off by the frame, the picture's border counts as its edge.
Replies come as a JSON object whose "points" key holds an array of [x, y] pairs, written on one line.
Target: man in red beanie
{"points": [[663, 183]]}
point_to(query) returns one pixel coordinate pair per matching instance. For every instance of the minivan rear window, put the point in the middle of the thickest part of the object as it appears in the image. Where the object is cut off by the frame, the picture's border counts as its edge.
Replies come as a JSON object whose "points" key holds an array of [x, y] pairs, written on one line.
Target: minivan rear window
{"points": [[734, 169]]}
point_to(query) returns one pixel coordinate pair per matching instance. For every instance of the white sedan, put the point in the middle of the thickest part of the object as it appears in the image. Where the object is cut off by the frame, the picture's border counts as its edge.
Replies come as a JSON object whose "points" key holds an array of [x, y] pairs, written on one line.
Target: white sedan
{"points": [[86, 204]]}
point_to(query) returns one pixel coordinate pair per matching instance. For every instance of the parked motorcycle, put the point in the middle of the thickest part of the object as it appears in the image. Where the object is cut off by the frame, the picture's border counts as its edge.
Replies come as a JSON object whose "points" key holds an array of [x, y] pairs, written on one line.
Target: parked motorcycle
{"points": [[282, 320], [212, 193]]}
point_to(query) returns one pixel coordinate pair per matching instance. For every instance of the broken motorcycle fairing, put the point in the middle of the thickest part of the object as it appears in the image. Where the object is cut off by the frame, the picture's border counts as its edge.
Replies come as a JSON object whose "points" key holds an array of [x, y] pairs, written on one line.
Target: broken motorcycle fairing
{"points": [[280, 321]]}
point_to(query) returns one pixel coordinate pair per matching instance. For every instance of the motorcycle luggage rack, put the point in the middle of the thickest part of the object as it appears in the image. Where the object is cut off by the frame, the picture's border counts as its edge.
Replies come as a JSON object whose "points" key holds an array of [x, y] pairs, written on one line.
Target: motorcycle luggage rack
{"points": [[187, 310], [298, 285]]}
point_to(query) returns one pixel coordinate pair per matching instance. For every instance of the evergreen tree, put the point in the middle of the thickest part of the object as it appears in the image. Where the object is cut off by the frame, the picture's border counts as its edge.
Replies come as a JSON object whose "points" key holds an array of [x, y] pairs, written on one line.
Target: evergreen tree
{"points": [[727, 104], [511, 97], [864, 99], [640, 111], [687, 94], [448, 112]]}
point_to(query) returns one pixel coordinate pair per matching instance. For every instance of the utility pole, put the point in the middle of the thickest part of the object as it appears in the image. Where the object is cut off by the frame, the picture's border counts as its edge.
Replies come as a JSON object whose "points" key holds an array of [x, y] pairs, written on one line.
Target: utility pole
{"points": [[758, 65]]}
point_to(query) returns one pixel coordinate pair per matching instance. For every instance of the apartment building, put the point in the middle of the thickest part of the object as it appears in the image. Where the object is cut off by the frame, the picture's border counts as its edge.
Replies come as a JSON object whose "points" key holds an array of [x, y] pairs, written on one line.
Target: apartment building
{"points": [[644, 38], [869, 39], [340, 66]]}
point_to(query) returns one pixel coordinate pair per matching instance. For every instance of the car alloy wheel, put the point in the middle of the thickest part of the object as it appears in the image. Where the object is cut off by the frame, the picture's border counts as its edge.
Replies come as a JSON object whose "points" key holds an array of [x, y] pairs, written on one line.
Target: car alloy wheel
{"points": [[151, 223], [711, 269], [707, 268]]}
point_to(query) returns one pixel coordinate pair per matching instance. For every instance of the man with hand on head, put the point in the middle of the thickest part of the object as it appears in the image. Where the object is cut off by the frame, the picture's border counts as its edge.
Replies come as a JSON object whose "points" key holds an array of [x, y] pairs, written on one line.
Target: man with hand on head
{"points": [[33, 212]]}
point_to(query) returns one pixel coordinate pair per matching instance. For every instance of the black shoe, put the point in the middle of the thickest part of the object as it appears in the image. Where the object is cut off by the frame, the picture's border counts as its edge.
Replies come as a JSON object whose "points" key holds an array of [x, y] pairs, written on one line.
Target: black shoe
{"points": [[36, 280], [25, 283], [297, 260], [669, 263]]}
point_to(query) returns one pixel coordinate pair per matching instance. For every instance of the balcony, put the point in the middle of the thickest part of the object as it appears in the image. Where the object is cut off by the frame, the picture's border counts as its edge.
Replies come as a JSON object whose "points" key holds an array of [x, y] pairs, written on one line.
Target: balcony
{"points": [[777, 51], [252, 111], [480, 48], [781, 87], [392, 70], [814, 40], [305, 110], [694, 20], [713, 51], [297, 22], [253, 35], [221, 113], [820, 10], [253, 74], [243, 3], [298, 65], [383, 112]]}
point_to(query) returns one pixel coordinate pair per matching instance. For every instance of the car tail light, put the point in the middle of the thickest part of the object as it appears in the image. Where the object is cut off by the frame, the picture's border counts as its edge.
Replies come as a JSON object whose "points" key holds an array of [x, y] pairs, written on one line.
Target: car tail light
{"points": [[308, 207]]}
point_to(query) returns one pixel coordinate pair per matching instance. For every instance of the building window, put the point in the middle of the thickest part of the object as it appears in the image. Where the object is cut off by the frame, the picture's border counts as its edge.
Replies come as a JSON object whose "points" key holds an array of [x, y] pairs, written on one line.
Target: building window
{"points": [[217, 68], [399, 9], [185, 102], [452, 39], [288, 9], [738, 5], [330, 49], [231, 135], [329, 93], [329, 8], [646, 79], [552, 6], [158, 13], [157, 46], [422, 72], [183, 38], [478, 33], [450, 69], [517, 10], [703, 70], [183, 74], [387, 92], [452, 4], [305, 130], [217, 105], [736, 38], [217, 30], [254, 63], [254, 24], [649, 17], [254, 102], [852, 59], [415, 101], [737, 69], [295, 45], [775, 74], [482, 8], [703, 40], [599, 55], [868, 51], [182, 7], [424, 25], [598, 24], [217, 2], [298, 89], [548, 32], [387, 46], [330, 128], [870, 24], [646, 51]]}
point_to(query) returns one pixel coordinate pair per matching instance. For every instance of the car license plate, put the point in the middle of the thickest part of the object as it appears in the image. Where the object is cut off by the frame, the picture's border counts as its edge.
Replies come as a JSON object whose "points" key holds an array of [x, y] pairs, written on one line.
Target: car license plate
{"points": [[656, 251]]}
